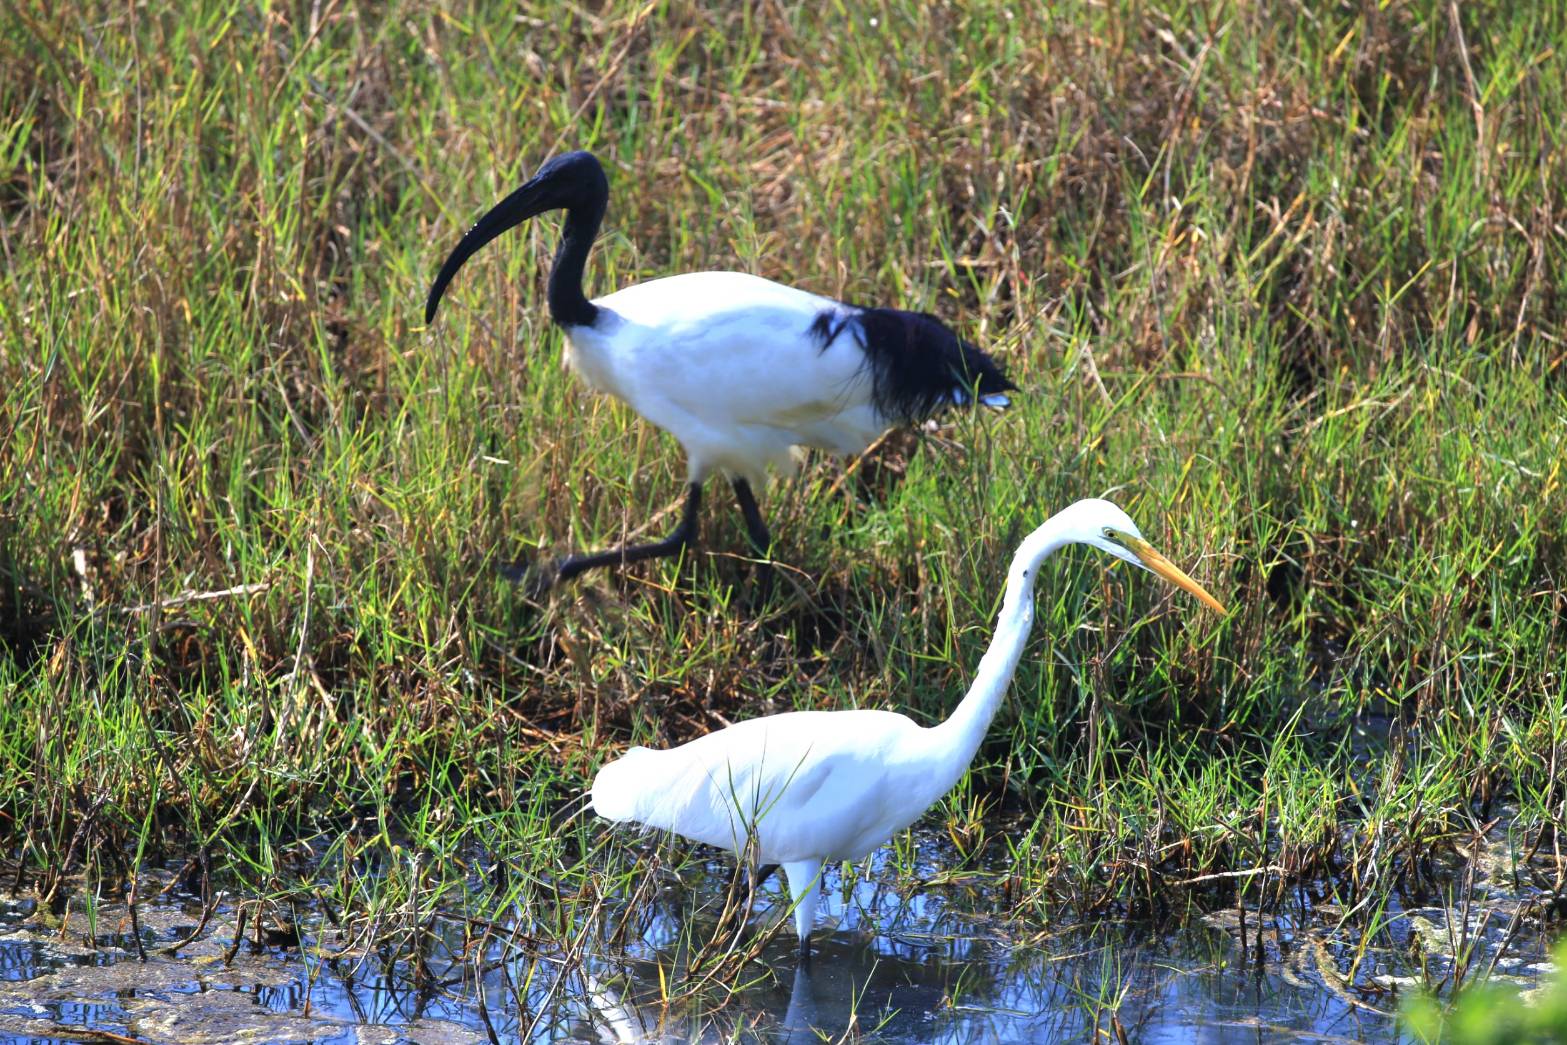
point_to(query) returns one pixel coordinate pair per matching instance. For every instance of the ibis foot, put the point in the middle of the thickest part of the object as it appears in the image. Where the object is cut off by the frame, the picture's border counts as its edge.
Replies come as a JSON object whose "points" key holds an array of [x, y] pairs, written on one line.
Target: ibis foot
{"points": [[537, 581]]}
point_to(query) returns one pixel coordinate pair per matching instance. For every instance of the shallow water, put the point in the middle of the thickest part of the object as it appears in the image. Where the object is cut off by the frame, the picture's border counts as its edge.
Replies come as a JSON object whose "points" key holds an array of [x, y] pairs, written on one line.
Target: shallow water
{"points": [[926, 964]]}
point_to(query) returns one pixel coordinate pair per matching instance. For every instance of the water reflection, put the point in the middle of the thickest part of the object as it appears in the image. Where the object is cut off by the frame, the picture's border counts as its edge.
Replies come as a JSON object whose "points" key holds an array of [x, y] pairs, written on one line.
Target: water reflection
{"points": [[893, 963], [1070, 986]]}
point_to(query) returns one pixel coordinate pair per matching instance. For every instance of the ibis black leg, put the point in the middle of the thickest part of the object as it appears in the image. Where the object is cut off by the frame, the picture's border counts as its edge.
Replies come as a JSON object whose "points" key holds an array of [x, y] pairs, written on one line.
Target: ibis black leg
{"points": [[683, 535], [761, 540], [675, 543]]}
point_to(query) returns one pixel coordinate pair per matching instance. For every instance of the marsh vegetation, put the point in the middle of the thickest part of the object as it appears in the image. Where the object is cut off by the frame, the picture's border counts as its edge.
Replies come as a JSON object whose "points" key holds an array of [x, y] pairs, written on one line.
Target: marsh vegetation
{"points": [[1282, 279]]}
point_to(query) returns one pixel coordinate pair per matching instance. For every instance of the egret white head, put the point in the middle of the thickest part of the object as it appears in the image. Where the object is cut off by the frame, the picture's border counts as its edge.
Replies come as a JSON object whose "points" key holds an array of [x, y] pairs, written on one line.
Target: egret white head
{"points": [[1103, 525]]}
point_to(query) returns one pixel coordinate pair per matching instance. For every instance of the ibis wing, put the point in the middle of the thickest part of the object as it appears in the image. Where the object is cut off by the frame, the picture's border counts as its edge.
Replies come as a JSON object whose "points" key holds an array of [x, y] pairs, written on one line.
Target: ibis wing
{"points": [[718, 356]]}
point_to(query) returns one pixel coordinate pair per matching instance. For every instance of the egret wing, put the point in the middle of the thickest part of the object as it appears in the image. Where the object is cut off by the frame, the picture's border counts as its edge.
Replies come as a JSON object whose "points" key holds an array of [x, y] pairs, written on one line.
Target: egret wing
{"points": [[802, 784]]}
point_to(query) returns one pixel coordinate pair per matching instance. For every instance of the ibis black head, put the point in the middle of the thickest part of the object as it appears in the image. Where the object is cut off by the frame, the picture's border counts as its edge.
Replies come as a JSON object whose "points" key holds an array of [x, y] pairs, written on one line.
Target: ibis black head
{"points": [[575, 183]]}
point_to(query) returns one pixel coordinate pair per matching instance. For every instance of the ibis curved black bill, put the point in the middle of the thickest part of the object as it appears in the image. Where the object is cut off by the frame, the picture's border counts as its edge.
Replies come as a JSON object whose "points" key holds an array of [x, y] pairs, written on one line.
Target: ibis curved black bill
{"points": [[574, 182], [508, 213]]}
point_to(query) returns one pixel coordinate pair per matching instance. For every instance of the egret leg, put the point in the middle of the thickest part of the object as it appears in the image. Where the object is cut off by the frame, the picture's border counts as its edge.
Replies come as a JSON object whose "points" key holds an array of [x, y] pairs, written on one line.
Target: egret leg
{"points": [[572, 565], [804, 878], [761, 540], [754, 878]]}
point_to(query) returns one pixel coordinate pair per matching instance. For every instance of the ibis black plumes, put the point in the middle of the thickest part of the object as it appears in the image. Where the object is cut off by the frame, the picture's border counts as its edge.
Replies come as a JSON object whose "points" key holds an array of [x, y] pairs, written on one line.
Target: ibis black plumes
{"points": [[739, 369]]}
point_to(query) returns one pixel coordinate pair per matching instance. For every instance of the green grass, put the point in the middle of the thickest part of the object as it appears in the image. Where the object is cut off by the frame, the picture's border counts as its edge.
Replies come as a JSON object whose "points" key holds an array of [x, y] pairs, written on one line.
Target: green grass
{"points": [[1488, 1014], [1284, 282]]}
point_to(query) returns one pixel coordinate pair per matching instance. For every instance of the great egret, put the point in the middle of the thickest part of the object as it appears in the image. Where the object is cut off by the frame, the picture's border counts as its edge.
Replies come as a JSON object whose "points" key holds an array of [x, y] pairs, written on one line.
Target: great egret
{"points": [[739, 369], [808, 787]]}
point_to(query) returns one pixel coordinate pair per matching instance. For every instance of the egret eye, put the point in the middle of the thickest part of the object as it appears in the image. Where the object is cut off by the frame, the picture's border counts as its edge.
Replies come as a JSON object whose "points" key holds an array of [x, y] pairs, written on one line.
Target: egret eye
{"points": [[1110, 535]]}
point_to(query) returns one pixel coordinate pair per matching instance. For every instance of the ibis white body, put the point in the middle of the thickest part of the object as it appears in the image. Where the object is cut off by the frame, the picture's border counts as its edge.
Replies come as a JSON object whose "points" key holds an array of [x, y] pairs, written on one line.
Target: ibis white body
{"points": [[725, 362], [809, 787]]}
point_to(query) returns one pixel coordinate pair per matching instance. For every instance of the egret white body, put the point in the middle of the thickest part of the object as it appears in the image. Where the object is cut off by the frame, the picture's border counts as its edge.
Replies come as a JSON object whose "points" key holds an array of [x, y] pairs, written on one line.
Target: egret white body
{"points": [[739, 369], [810, 787]]}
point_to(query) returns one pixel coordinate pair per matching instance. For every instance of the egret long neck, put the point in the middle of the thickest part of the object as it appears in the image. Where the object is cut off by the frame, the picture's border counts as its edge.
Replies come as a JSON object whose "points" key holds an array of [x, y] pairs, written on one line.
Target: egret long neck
{"points": [[569, 306], [959, 737]]}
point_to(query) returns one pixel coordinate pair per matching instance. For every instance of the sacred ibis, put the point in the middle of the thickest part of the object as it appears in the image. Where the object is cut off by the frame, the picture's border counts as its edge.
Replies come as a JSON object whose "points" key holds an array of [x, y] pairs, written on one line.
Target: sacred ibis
{"points": [[740, 370], [808, 787]]}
